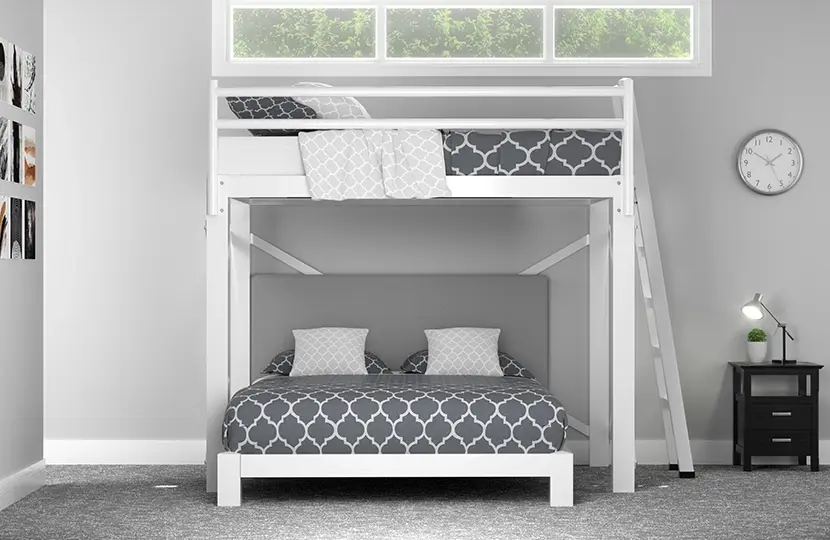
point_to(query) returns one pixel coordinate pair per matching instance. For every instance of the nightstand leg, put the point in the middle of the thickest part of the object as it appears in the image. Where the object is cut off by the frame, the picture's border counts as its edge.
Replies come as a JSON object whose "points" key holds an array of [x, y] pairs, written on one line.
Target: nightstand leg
{"points": [[736, 389], [814, 441], [747, 461], [802, 460]]}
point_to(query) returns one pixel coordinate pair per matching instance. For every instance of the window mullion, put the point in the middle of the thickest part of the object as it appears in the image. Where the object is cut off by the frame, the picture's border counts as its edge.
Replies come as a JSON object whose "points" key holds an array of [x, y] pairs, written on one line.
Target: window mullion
{"points": [[381, 37]]}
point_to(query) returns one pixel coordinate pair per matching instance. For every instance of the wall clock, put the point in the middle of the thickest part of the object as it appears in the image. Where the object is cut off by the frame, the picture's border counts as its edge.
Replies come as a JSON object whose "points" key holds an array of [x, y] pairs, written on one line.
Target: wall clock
{"points": [[770, 162]]}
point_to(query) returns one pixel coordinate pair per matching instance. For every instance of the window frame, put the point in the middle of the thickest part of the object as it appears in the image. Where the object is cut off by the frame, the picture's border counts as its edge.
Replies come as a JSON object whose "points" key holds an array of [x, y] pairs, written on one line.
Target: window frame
{"points": [[382, 66]]}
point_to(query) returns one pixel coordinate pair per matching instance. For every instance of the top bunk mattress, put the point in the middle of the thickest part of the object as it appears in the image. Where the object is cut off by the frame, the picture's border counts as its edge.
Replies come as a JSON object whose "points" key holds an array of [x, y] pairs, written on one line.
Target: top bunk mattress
{"points": [[466, 153]]}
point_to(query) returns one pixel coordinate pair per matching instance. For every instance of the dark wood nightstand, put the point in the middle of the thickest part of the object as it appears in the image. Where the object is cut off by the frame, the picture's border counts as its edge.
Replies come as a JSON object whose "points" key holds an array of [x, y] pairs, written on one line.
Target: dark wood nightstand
{"points": [[775, 426]]}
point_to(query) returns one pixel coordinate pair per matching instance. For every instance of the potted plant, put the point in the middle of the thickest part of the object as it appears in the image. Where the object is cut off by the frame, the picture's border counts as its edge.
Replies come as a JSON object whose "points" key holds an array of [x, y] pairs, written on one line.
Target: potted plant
{"points": [[757, 345]]}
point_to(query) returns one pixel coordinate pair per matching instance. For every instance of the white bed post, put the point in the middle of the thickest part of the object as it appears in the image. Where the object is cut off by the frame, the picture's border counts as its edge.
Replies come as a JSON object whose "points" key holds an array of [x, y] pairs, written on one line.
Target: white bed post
{"points": [[216, 369], [599, 349], [240, 295], [217, 274], [623, 267], [229, 483]]}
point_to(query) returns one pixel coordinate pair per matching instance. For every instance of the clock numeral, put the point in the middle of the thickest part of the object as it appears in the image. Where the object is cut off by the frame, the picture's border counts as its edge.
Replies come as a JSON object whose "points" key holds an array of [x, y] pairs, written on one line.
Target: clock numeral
{"points": [[769, 138], [757, 182], [781, 182], [749, 174], [746, 162], [769, 187], [790, 152], [792, 163], [749, 151], [757, 142], [790, 175]]}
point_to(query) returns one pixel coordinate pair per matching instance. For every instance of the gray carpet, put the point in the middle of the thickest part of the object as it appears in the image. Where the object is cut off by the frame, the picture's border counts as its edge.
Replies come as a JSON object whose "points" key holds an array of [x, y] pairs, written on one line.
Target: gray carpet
{"points": [[92, 503]]}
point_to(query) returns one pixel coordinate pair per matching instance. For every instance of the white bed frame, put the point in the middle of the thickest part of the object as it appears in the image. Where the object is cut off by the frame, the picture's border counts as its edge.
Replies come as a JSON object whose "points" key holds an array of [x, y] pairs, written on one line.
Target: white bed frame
{"points": [[239, 176]]}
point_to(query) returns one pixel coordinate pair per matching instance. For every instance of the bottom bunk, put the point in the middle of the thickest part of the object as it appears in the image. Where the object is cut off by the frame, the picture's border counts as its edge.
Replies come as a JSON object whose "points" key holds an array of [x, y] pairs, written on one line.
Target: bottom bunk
{"points": [[394, 425]]}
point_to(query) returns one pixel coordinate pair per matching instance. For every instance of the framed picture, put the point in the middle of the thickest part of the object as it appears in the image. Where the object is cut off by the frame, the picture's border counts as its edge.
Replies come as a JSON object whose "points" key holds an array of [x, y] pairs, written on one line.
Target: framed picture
{"points": [[5, 228], [27, 166], [29, 230], [16, 228], [18, 77], [6, 165], [5, 78]]}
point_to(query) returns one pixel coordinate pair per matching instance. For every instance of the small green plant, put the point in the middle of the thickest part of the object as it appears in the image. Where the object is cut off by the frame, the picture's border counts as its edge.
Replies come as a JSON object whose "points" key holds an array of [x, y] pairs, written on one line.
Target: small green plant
{"points": [[756, 335]]}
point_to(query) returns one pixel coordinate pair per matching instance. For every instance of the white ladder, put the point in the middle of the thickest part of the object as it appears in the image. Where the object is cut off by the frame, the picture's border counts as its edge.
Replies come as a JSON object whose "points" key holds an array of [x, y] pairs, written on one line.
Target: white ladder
{"points": [[653, 284]]}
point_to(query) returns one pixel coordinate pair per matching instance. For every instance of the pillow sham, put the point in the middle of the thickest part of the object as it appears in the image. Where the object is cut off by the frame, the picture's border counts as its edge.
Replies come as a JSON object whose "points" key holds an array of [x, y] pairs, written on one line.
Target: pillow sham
{"points": [[329, 351], [284, 361], [331, 108], [464, 351], [271, 108], [416, 364]]}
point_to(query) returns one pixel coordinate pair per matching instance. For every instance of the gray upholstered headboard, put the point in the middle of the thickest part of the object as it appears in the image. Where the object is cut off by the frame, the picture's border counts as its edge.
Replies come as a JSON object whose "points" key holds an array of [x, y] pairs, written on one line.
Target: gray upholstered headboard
{"points": [[397, 309]]}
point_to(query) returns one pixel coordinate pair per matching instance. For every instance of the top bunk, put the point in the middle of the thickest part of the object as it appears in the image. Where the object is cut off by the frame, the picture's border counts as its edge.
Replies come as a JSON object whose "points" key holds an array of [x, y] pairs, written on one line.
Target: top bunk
{"points": [[279, 140]]}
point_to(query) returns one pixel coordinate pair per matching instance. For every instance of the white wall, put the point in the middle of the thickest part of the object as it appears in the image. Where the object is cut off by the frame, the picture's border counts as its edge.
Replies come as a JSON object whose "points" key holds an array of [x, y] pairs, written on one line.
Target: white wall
{"points": [[125, 316], [125, 290], [21, 290]]}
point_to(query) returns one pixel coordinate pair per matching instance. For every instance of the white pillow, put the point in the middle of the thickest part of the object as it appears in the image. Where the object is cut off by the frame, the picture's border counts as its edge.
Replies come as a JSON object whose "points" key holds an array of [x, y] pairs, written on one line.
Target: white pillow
{"points": [[464, 351], [329, 351], [331, 108]]}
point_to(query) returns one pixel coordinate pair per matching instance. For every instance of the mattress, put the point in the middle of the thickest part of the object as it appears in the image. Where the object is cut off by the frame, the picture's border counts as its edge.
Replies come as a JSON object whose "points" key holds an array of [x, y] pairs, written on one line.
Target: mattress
{"points": [[394, 414], [466, 153]]}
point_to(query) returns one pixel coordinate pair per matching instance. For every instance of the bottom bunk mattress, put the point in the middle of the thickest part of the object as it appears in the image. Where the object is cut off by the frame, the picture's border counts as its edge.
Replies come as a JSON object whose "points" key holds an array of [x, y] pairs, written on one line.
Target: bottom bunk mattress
{"points": [[394, 414]]}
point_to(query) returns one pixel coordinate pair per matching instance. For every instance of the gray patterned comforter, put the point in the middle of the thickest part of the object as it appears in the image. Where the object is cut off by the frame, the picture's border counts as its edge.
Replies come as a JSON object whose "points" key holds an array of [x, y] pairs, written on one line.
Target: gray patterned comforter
{"points": [[531, 153], [394, 414]]}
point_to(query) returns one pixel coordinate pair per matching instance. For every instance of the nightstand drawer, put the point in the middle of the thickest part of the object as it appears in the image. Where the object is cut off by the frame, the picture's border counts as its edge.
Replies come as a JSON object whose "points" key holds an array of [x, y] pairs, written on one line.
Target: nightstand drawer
{"points": [[779, 443], [781, 416]]}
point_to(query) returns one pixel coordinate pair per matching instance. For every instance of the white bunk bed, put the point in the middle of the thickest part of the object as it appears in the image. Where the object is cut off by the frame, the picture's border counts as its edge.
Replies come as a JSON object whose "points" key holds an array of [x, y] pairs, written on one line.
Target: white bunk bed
{"points": [[245, 171]]}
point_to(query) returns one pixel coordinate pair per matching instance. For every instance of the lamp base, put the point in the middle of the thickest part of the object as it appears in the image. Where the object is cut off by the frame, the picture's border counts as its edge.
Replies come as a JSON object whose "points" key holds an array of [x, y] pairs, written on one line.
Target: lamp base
{"points": [[785, 362]]}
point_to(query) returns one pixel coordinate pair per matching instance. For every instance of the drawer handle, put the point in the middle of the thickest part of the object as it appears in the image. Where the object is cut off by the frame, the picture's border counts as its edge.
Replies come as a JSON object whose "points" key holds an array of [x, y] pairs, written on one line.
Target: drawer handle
{"points": [[782, 440], [782, 413]]}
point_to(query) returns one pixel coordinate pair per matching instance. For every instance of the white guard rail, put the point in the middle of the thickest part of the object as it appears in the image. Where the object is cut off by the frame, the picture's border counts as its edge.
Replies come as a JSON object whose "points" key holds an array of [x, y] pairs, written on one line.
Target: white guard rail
{"points": [[624, 91]]}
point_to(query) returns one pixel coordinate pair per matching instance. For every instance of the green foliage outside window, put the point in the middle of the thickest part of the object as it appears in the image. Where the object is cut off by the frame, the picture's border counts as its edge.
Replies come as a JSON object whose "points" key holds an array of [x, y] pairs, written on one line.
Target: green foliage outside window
{"points": [[462, 33], [623, 33], [304, 33], [465, 33]]}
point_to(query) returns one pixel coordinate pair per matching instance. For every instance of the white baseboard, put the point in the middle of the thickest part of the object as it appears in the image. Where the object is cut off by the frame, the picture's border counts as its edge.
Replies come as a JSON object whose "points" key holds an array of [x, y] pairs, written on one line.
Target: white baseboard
{"points": [[653, 452], [19, 485], [192, 452], [135, 452]]}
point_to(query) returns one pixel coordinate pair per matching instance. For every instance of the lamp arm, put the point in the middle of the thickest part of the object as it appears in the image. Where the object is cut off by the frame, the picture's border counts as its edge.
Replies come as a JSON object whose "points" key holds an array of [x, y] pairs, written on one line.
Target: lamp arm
{"points": [[780, 325]]}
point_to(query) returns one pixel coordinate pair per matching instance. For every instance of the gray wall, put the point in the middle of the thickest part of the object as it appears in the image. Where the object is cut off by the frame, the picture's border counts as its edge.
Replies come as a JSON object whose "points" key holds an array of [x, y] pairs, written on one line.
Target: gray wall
{"points": [[125, 288], [21, 282], [126, 317]]}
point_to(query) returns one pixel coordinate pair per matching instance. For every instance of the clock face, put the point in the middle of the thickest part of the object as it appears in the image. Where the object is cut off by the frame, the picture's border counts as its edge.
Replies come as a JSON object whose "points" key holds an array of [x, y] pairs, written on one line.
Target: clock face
{"points": [[770, 162]]}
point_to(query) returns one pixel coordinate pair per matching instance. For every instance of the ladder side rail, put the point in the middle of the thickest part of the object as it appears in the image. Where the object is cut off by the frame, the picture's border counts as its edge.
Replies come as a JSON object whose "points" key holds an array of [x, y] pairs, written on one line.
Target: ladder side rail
{"points": [[659, 372], [661, 309]]}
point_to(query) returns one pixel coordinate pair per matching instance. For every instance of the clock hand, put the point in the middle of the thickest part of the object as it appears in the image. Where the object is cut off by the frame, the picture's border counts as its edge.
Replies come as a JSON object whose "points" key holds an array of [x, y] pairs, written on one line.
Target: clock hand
{"points": [[762, 157], [773, 160], [772, 167]]}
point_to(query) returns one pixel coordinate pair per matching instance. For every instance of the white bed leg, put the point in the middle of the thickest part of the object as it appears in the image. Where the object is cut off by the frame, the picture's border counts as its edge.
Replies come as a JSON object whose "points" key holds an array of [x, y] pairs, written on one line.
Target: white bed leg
{"points": [[229, 479], [562, 481]]}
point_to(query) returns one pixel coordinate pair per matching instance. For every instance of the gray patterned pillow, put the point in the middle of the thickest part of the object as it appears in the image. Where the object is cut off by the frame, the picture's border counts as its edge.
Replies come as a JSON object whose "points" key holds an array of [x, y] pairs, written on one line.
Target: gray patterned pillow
{"points": [[464, 351], [416, 364], [332, 108], [271, 108], [284, 361], [329, 351]]}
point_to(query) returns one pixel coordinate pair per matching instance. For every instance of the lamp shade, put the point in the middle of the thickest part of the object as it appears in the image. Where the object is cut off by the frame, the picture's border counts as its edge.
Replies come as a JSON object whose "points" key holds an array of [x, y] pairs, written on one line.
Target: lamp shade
{"points": [[754, 309]]}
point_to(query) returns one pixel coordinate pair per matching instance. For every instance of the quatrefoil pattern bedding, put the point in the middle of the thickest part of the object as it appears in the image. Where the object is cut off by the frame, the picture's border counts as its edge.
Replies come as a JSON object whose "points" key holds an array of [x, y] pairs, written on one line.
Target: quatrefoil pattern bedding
{"points": [[284, 362], [394, 414], [532, 153], [417, 363]]}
